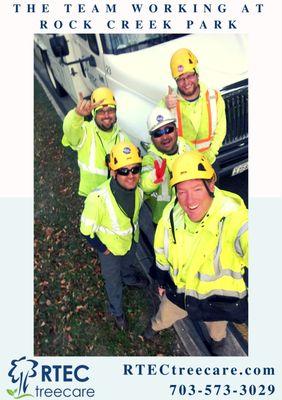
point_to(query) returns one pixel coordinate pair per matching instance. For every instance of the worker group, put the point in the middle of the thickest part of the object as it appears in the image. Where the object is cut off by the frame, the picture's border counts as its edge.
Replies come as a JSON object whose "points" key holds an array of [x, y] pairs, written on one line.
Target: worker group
{"points": [[201, 232]]}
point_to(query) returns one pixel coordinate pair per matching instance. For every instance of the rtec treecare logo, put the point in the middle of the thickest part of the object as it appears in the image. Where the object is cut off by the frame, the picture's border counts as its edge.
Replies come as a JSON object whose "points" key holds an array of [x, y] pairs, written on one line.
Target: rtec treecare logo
{"points": [[23, 370], [20, 373]]}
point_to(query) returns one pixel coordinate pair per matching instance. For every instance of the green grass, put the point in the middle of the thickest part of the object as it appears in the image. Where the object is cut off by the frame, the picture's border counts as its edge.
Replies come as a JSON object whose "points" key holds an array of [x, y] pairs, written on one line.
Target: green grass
{"points": [[70, 311]]}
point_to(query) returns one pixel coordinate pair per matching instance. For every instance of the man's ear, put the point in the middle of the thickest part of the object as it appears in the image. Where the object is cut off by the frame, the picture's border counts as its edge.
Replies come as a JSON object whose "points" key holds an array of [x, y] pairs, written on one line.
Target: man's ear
{"points": [[211, 185], [113, 173]]}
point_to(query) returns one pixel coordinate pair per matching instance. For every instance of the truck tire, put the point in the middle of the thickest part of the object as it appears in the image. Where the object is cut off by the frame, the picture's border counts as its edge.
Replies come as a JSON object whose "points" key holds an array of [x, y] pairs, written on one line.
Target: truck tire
{"points": [[55, 84]]}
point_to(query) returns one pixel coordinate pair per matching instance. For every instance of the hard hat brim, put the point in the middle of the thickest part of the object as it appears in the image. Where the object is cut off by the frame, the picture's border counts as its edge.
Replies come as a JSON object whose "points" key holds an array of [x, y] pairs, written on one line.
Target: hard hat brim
{"points": [[163, 123], [189, 177]]}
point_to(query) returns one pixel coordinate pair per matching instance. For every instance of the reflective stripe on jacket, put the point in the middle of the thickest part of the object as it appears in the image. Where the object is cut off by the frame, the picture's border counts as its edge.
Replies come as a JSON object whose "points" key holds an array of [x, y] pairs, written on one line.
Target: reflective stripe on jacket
{"points": [[82, 136], [207, 258], [160, 194], [103, 217], [202, 122]]}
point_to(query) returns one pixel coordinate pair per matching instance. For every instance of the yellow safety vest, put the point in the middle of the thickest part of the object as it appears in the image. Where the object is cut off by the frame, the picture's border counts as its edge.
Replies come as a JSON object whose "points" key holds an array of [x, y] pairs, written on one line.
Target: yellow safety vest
{"points": [[203, 139], [103, 217], [206, 258], [202, 123], [92, 144], [160, 194]]}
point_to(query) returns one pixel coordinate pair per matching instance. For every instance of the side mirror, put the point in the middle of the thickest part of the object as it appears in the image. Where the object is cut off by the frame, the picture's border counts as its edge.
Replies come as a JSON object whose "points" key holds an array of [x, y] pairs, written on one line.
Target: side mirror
{"points": [[92, 61], [59, 46]]}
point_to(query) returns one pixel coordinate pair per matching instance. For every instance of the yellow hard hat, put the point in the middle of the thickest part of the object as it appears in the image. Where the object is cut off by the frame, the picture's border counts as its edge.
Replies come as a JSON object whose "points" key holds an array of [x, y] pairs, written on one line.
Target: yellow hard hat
{"points": [[183, 61], [123, 154], [191, 165], [105, 94]]}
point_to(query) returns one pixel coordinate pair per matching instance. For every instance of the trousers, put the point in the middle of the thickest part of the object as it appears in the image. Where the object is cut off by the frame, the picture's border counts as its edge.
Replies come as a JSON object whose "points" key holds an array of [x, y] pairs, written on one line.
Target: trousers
{"points": [[117, 271], [169, 313]]}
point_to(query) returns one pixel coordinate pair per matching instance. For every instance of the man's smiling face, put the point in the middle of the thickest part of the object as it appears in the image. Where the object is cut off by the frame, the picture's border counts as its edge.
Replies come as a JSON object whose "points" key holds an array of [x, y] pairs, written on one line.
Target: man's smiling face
{"points": [[194, 198], [165, 138]]}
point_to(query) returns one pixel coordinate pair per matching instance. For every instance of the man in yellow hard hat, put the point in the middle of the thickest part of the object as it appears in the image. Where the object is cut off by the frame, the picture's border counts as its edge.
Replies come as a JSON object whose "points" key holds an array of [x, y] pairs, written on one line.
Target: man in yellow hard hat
{"points": [[200, 111], [201, 247], [110, 223], [93, 140], [157, 163]]}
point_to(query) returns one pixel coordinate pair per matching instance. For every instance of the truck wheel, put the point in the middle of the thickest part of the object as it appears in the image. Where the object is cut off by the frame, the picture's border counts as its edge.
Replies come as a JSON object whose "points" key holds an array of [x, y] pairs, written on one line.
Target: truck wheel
{"points": [[56, 85]]}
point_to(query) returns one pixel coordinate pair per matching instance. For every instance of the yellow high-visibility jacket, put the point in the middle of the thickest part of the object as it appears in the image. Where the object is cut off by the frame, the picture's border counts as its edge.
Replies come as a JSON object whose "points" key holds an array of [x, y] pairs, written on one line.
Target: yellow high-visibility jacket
{"points": [[202, 122], [207, 258], [160, 194], [92, 144], [103, 217]]}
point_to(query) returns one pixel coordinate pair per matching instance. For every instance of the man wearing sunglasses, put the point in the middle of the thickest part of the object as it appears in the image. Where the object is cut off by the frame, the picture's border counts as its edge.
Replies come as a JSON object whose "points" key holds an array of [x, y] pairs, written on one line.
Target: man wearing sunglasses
{"points": [[200, 111], [93, 140], [110, 223], [157, 163]]}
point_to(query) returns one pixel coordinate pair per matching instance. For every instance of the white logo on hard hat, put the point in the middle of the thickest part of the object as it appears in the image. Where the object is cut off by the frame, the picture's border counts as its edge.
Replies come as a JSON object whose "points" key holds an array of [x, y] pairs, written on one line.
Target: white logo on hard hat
{"points": [[180, 68], [126, 150], [160, 118]]}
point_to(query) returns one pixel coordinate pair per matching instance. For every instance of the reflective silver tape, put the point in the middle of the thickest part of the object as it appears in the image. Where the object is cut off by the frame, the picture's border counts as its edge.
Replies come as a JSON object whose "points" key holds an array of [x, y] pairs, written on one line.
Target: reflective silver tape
{"points": [[226, 293], [237, 244]]}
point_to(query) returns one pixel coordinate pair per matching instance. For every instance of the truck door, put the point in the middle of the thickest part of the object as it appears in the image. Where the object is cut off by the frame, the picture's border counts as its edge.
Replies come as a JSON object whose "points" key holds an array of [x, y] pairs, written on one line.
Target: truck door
{"points": [[59, 74], [92, 72]]}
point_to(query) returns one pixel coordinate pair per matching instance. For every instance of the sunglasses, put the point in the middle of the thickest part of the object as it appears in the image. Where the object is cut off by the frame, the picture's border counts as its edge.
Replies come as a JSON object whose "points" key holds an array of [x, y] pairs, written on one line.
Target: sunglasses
{"points": [[126, 171], [161, 132]]}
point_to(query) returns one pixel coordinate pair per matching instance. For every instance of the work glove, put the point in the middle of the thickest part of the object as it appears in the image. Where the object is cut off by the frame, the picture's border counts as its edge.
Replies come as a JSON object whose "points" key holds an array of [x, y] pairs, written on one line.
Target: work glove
{"points": [[159, 171], [171, 99]]}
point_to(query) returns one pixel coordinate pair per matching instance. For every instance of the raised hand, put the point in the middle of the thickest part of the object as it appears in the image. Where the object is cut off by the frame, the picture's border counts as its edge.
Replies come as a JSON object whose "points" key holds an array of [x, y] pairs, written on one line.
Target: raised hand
{"points": [[171, 99], [159, 170], [84, 107]]}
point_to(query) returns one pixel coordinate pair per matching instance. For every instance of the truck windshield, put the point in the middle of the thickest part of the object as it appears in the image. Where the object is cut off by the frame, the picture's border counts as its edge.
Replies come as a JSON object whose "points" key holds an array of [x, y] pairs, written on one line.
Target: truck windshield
{"points": [[118, 44]]}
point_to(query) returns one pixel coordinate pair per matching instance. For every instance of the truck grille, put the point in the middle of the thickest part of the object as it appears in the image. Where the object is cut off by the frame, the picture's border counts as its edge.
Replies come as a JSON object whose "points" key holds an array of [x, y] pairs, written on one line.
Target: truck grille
{"points": [[236, 107]]}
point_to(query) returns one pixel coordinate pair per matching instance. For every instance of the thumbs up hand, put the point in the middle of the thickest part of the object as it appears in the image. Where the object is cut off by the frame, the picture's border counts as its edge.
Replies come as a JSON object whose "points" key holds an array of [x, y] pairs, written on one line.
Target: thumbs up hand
{"points": [[159, 170], [170, 99]]}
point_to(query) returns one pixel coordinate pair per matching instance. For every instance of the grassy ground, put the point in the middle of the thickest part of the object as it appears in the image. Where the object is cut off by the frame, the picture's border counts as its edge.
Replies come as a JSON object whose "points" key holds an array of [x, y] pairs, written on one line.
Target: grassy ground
{"points": [[70, 312]]}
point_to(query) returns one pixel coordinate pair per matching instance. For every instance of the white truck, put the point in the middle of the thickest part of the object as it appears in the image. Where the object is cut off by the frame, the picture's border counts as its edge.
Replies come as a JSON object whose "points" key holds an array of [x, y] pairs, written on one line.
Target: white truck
{"points": [[136, 68]]}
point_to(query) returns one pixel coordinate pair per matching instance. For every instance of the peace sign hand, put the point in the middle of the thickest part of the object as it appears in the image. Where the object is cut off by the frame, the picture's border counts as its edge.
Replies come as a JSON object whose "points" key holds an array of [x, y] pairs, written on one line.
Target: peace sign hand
{"points": [[84, 107], [160, 170]]}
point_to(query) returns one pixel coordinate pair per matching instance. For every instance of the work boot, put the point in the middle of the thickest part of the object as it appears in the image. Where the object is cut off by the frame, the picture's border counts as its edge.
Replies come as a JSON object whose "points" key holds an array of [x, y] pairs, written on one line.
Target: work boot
{"points": [[149, 333], [121, 322], [216, 347]]}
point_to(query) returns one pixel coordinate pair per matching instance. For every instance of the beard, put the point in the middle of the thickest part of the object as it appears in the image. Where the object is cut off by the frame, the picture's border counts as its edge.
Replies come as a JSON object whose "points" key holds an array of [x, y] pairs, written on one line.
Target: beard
{"points": [[107, 126], [190, 91]]}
